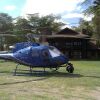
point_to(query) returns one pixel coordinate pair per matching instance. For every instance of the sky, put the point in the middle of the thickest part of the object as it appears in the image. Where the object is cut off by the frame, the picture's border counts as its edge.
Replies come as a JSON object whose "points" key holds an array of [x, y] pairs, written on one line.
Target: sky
{"points": [[69, 10]]}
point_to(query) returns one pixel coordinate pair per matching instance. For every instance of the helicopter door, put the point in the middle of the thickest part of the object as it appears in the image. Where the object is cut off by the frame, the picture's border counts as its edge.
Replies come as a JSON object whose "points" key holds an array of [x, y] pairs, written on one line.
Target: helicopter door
{"points": [[45, 56]]}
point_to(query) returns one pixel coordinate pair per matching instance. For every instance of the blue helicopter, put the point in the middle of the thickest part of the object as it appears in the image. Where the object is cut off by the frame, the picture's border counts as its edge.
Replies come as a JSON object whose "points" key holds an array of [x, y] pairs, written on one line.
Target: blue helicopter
{"points": [[36, 55]]}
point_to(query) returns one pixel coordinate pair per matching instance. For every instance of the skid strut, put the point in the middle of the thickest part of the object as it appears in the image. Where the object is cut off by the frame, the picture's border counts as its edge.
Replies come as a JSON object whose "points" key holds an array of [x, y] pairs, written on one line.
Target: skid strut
{"points": [[16, 69], [31, 70]]}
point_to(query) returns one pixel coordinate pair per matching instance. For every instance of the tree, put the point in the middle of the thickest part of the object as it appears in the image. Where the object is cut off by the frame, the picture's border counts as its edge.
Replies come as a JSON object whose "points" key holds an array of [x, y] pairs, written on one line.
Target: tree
{"points": [[36, 24], [48, 22], [94, 9], [86, 26], [22, 26], [6, 25]]}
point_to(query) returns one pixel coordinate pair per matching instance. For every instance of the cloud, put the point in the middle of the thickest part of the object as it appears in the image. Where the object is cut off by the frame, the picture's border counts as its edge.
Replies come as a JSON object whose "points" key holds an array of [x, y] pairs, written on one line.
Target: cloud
{"points": [[77, 15], [45, 7], [66, 23], [73, 15], [88, 18], [10, 7], [65, 8]]}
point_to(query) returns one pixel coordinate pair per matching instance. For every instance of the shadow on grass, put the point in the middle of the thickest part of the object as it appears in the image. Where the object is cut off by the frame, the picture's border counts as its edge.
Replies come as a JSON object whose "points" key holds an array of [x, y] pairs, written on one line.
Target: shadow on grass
{"points": [[5, 72], [62, 74], [43, 74], [56, 74], [47, 74], [10, 83]]}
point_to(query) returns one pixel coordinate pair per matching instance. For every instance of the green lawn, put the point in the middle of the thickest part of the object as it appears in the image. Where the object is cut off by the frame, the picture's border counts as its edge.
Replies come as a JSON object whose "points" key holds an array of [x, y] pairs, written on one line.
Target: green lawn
{"points": [[83, 84]]}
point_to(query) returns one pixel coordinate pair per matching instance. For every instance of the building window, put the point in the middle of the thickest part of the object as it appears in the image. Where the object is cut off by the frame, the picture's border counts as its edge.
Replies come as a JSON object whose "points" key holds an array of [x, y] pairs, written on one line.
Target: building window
{"points": [[68, 43], [77, 54], [77, 43], [56, 44]]}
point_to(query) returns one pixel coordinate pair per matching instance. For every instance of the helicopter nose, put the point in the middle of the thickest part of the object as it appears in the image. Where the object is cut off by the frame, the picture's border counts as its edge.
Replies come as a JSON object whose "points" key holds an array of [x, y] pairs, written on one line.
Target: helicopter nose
{"points": [[65, 59], [61, 60]]}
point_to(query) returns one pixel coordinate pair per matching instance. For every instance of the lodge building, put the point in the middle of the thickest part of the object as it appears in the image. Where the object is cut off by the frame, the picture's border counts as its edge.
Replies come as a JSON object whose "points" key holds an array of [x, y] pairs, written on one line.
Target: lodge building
{"points": [[75, 45]]}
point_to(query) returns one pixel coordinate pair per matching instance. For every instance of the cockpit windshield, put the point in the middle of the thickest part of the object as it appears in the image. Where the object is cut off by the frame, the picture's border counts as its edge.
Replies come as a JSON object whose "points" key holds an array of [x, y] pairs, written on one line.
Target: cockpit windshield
{"points": [[54, 52]]}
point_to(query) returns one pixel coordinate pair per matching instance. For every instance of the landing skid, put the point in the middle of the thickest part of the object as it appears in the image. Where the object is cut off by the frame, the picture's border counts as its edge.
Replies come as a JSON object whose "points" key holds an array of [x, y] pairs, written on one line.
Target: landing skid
{"points": [[69, 68], [30, 70]]}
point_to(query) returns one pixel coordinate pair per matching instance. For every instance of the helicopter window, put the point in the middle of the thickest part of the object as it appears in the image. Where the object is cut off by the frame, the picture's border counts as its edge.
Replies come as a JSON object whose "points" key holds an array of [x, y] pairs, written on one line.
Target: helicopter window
{"points": [[35, 53], [54, 52], [45, 53]]}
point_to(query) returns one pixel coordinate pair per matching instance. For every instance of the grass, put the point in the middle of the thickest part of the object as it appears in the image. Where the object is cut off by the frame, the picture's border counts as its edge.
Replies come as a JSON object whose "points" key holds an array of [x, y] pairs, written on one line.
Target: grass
{"points": [[83, 84]]}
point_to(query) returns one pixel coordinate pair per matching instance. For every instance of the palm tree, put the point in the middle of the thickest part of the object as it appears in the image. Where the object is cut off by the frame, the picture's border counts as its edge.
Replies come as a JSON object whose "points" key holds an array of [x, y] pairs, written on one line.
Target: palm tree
{"points": [[94, 9]]}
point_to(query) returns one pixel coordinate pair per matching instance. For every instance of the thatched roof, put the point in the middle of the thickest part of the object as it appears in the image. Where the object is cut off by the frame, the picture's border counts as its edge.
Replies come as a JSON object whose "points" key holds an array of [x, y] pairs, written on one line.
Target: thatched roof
{"points": [[69, 33]]}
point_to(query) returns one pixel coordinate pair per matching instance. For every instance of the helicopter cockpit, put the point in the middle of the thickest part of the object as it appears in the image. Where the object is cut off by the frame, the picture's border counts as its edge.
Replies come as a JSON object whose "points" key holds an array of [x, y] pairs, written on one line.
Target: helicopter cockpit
{"points": [[54, 52]]}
